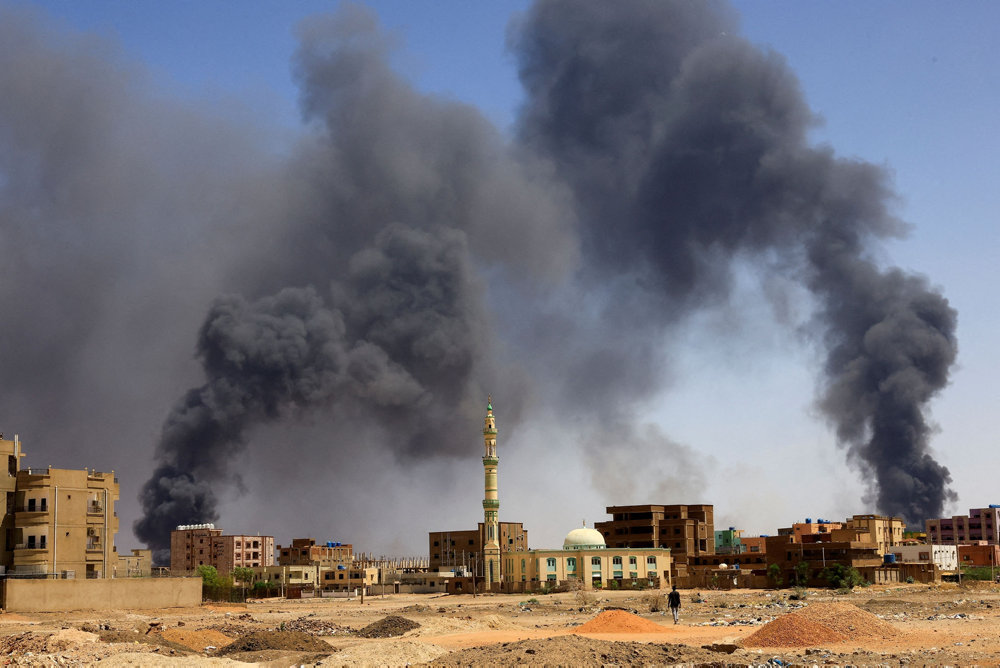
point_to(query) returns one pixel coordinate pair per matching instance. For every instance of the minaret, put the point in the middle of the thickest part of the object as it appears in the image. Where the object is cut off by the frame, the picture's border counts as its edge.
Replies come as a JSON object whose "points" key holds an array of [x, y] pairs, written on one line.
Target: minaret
{"points": [[491, 504]]}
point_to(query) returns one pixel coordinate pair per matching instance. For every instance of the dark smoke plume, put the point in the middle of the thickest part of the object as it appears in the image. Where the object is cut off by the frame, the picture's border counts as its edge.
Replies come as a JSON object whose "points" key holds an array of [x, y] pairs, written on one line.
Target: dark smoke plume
{"points": [[403, 257], [686, 148]]}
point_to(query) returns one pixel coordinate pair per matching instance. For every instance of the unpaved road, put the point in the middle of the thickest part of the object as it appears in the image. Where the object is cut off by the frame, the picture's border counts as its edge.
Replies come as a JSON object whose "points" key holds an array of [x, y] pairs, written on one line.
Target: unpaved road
{"points": [[938, 625]]}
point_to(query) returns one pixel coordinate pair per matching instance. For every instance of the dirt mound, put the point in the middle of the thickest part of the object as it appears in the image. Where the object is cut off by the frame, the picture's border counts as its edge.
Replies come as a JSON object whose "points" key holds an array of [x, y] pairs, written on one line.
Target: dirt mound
{"points": [[822, 623], [575, 651], [296, 641], [850, 620], [792, 631], [153, 639], [68, 639], [196, 640], [620, 621], [388, 627]]}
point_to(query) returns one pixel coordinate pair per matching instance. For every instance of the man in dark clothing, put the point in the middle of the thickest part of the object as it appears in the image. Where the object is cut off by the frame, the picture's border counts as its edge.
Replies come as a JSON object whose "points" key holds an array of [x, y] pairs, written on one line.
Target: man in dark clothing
{"points": [[674, 600]]}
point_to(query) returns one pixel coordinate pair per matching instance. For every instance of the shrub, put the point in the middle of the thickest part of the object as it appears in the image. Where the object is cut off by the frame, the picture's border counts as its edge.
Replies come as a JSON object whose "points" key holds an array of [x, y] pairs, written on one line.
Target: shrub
{"points": [[909, 579], [613, 584], [656, 602], [585, 598], [209, 576], [774, 575], [798, 594], [839, 576]]}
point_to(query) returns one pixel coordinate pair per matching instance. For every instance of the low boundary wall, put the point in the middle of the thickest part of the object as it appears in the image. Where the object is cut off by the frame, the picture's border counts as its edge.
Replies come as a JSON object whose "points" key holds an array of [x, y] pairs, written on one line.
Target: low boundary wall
{"points": [[18, 595]]}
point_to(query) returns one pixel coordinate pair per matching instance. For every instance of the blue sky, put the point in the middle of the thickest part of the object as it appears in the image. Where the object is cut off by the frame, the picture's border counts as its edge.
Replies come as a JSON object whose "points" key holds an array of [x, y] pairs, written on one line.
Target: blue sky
{"points": [[914, 86]]}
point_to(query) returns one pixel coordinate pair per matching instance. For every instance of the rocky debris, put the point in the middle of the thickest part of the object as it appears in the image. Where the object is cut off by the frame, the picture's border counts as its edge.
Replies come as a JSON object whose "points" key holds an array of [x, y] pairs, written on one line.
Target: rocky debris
{"points": [[574, 651], [620, 621], [388, 627], [723, 648], [23, 643], [295, 641], [314, 627]]}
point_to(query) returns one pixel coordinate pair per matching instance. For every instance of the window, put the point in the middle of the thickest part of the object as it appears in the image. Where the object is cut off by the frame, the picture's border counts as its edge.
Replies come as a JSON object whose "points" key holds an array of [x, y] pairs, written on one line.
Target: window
{"points": [[632, 561], [651, 561], [551, 577], [595, 561], [617, 561], [550, 563], [571, 564]]}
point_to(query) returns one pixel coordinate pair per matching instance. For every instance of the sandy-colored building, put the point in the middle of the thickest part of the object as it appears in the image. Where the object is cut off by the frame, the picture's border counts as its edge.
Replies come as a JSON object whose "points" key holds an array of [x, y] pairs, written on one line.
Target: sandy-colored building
{"points": [[809, 527], [585, 558], [305, 551], [64, 523], [195, 545], [885, 532], [981, 524]]}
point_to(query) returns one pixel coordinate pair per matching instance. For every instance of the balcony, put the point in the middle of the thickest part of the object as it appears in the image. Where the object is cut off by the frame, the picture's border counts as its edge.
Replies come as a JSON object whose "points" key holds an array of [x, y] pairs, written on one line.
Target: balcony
{"points": [[95, 508], [31, 545]]}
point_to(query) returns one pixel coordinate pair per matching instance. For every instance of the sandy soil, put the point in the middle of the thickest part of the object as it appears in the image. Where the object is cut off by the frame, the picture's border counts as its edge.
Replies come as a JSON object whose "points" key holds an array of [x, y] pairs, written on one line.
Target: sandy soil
{"points": [[930, 625]]}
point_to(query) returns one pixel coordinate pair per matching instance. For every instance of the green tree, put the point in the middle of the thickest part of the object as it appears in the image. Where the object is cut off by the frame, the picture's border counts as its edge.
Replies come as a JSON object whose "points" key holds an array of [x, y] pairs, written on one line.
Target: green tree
{"points": [[243, 575], [209, 576], [774, 574], [802, 573], [839, 576]]}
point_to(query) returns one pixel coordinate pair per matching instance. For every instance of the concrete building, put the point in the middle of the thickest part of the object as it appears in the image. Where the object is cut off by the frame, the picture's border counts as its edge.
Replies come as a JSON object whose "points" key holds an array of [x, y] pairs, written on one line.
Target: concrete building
{"points": [[945, 557], [885, 532], [981, 524], [197, 545], [688, 530], [800, 529], [463, 550], [979, 554], [305, 551], [727, 541], [586, 559], [64, 523], [61, 523]]}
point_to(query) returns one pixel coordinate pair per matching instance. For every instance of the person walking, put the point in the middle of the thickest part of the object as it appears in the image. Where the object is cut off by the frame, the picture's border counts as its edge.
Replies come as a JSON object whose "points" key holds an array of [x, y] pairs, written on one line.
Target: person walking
{"points": [[674, 600]]}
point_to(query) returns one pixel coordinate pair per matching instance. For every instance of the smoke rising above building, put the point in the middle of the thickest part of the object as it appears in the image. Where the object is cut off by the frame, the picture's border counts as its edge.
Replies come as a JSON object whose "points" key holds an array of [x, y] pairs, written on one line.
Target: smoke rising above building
{"points": [[405, 257]]}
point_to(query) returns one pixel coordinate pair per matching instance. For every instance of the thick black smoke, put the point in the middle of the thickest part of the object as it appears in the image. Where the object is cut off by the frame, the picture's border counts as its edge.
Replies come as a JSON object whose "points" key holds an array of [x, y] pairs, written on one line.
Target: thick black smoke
{"points": [[403, 257], [686, 147]]}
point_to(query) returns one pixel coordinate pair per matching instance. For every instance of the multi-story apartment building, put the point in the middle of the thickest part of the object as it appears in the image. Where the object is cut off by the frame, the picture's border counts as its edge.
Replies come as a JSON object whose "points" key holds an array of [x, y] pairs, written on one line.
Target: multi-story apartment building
{"points": [[982, 524], [197, 545], [688, 530], [64, 523], [885, 532], [800, 529], [61, 523], [241, 551], [458, 549]]}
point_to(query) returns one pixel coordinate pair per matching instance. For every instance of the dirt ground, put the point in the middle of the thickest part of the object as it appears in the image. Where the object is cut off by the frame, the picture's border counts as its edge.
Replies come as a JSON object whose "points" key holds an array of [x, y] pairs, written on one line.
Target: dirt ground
{"points": [[889, 626]]}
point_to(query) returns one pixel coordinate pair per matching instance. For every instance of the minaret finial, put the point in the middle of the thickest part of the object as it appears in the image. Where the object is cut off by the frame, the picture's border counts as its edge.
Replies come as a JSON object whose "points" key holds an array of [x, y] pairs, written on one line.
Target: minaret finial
{"points": [[489, 402]]}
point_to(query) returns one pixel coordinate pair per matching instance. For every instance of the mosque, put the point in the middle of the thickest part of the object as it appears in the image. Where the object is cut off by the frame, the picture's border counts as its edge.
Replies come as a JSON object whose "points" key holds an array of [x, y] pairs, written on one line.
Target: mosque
{"points": [[584, 556]]}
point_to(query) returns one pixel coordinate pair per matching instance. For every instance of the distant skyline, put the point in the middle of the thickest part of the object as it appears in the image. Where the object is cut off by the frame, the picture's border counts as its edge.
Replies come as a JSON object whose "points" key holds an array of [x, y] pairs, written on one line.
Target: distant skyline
{"points": [[912, 87]]}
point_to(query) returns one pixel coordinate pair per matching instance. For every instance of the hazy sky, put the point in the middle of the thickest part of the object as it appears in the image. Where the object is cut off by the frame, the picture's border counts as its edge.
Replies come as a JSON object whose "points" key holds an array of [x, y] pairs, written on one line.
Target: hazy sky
{"points": [[910, 86]]}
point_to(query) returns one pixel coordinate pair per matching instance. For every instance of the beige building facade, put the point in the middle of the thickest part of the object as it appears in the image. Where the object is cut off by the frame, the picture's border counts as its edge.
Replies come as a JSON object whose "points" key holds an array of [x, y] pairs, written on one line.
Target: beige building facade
{"points": [[586, 559], [64, 523]]}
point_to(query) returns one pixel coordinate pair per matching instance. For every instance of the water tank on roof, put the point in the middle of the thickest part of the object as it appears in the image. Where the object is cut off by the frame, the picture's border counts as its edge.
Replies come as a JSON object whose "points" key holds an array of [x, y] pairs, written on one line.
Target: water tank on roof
{"points": [[889, 559], [329, 543], [995, 505], [809, 520], [732, 528]]}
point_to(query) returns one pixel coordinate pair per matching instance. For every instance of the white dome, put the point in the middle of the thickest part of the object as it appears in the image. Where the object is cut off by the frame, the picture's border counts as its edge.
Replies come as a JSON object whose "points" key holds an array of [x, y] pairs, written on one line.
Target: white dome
{"points": [[583, 539]]}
